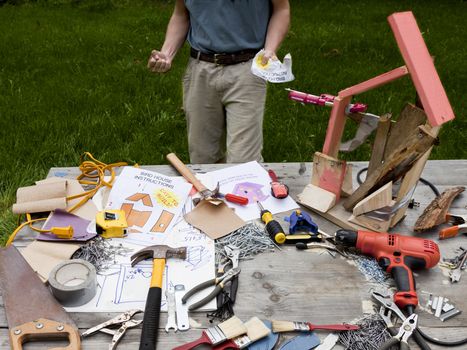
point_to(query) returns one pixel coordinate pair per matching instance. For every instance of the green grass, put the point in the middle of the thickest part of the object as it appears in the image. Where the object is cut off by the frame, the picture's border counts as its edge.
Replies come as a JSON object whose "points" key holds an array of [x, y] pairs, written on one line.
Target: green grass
{"points": [[73, 78]]}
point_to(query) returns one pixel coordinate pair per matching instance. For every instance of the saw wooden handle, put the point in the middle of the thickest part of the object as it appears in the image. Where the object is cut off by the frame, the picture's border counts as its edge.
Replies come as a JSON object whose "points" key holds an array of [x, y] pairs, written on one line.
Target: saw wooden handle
{"points": [[185, 172], [44, 329]]}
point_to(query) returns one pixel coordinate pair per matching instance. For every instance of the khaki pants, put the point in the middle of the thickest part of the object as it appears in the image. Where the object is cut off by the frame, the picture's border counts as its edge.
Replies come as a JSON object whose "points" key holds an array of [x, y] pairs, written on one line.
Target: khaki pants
{"points": [[223, 97]]}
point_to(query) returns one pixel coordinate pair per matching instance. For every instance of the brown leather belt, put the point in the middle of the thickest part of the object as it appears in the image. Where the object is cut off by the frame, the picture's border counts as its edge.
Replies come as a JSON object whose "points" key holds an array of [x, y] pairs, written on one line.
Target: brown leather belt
{"points": [[224, 59]]}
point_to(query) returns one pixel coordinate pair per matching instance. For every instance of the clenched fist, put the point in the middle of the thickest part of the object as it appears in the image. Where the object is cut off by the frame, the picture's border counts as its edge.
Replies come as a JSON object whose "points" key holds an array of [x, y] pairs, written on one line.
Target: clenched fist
{"points": [[159, 62]]}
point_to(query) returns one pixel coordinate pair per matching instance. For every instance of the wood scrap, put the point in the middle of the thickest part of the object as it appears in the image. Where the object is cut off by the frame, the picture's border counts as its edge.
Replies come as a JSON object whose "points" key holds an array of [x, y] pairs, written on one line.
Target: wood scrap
{"points": [[396, 165], [435, 213]]}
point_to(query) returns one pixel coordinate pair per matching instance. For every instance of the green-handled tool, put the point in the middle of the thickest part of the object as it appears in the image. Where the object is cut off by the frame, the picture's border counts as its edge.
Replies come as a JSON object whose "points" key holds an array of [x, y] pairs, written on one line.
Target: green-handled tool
{"points": [[274, 229]]}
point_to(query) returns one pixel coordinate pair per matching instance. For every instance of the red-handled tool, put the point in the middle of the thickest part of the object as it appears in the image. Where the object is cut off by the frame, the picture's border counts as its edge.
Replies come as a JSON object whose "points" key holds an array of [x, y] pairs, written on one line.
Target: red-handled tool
{"points": [[278, 189], [396, 254], [233, 198], [460, 226], [289, 326]]}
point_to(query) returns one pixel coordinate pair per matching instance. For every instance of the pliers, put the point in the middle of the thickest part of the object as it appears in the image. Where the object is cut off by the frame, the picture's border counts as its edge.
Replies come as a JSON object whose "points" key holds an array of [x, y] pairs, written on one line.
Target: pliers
{"points": [[387, 308], [125, 321], [233, 255], [402, 337], [219, 282]]}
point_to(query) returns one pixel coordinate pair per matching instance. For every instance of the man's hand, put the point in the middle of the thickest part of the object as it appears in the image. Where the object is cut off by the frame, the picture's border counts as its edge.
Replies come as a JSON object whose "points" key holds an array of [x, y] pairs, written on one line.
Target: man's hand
{"points": [[159, 62], [268, 54]]}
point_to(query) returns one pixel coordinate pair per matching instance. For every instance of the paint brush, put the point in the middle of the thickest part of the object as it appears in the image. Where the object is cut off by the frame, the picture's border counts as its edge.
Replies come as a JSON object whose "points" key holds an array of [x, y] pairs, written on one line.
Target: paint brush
{"points": [[255, 330], [286, 326], [231, 328]]}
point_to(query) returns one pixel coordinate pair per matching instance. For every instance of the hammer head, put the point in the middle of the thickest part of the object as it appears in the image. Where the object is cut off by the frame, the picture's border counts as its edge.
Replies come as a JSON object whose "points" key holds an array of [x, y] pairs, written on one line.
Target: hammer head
{"points": [[158, 252]]}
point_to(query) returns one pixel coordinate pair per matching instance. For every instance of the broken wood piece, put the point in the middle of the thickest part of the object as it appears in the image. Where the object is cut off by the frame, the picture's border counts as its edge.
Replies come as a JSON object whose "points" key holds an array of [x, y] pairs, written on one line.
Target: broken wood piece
{"points": [[378, 199], [328, 173], [396, 165], [409, 118], [379, 145], [317, 198], [435, 213]]}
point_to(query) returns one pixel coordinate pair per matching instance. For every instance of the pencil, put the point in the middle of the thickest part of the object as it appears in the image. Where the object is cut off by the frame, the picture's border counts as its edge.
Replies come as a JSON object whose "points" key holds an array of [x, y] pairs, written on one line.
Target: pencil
{"points": [[231, 328]]}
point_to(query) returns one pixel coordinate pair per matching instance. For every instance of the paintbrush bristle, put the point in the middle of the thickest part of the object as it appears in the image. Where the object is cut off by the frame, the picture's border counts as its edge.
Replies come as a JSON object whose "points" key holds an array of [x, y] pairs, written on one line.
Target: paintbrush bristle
{"points": [[233, 327], [256, 329], [282, 326]]}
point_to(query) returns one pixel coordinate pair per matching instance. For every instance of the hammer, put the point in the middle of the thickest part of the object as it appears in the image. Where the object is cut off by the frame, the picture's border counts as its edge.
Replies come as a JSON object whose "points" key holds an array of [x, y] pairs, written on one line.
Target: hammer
{"points": [[153, 303]]}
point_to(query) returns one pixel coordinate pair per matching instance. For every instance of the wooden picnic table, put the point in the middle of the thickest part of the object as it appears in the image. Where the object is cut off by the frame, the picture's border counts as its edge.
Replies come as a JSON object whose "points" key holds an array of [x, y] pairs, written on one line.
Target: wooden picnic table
{"points": [[304, 285]]}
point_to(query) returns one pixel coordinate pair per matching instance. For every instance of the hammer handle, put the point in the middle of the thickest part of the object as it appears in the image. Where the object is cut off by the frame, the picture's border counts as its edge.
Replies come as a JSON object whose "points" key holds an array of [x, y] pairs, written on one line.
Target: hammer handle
{"points": [[152, 310], [185, 172]]}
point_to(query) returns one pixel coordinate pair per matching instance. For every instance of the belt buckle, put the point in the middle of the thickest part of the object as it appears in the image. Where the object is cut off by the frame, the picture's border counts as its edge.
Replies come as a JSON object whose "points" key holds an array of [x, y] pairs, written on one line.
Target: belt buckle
{"points": [[216, 55]]}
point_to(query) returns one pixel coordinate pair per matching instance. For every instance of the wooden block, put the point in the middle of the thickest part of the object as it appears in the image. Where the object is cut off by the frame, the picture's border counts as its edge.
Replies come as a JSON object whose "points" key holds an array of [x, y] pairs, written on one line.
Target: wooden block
{"points": [[335, 126], [347, 186], [317, 198], [374, 82], [328, 173], [370, 223], [395, 166], [421, 68], [378, 199], [379, 145]]}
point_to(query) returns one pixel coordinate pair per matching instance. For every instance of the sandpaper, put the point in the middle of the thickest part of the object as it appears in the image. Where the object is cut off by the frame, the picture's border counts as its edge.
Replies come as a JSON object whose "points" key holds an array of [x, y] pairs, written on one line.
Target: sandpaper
{"points": [[44, 256], [214, 218], [61, 218]]}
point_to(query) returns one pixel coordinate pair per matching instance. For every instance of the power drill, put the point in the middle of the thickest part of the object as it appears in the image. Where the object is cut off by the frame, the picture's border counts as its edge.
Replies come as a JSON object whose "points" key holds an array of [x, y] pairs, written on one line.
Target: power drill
{"points": [[396, 254]]}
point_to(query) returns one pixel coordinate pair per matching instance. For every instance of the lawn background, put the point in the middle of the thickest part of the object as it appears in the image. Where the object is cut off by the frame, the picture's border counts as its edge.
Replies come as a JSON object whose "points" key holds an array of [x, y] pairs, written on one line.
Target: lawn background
{"points": [[73, 78]]}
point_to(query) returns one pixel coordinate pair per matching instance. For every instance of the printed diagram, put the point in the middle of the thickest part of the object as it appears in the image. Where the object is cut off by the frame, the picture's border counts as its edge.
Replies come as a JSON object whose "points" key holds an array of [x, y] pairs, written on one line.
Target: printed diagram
{"points": [[197, 256], [140, 218], [250, 190], [128, 278]]}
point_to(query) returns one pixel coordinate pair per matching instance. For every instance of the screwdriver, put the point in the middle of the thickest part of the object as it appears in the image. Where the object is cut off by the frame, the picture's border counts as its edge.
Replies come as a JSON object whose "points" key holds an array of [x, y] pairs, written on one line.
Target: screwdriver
{"points": [[274, 229]]}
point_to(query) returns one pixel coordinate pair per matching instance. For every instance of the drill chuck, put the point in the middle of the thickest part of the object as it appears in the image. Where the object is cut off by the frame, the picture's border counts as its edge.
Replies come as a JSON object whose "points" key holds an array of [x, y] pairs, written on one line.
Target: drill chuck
{"points": [[346, 238]]}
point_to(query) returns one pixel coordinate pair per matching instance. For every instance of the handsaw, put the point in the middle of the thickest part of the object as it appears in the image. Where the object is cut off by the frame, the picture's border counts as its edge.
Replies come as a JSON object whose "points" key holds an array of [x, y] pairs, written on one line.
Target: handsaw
{"points": [[31, 310]]}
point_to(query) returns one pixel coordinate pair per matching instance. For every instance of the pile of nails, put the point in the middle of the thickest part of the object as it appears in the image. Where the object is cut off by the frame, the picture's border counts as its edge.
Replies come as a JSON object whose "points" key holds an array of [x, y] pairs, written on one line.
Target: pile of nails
{"points": [[371, 335]]}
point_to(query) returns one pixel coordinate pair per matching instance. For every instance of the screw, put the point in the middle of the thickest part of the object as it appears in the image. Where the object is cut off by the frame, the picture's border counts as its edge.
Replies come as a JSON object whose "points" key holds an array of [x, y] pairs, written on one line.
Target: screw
{"points": [[39, 325], [17, 331], [60, 328]]}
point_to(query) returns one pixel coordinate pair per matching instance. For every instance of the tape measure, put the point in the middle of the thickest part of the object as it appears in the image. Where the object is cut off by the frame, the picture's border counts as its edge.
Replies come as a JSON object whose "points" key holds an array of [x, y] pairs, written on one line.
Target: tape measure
{"points": [[111, 223]]}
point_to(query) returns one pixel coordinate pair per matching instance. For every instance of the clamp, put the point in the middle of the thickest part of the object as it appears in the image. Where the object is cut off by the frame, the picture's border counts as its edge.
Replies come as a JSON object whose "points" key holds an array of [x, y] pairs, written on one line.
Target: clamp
{"points": [[301, 221], [219, 282], [125, 321], [459, 223], [402, 337]]}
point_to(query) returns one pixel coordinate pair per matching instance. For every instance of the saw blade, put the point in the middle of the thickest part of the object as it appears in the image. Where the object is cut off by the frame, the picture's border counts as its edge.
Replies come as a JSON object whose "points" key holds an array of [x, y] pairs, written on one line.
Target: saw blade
{"points": [[25, 297]]}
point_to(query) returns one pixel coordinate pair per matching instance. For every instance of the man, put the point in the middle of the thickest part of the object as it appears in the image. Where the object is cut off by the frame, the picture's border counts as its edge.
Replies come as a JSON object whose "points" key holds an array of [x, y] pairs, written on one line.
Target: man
{"points": [[219, 90]]}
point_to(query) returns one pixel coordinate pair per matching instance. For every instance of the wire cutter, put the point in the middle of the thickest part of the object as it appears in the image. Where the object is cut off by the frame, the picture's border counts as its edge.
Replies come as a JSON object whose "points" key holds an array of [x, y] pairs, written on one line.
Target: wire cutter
{"points": [[125, 321], [402, 337], [219, 282], [390, 307]]}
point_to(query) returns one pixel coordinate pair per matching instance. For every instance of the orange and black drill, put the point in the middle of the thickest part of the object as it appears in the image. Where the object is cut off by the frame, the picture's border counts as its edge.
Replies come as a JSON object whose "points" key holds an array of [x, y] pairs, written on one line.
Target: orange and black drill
{"points": [[396, 254]]}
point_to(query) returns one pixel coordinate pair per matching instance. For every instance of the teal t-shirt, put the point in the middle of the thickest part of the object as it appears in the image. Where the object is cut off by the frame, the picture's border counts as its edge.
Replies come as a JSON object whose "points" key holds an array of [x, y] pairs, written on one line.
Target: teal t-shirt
{"points": [[218, 26]]}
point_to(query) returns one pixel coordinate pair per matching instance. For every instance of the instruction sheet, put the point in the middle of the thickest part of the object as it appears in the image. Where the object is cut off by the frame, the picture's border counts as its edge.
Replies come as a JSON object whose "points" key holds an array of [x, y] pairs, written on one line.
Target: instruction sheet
{"points": [[122, 287], [249, 180], [151, 201]]}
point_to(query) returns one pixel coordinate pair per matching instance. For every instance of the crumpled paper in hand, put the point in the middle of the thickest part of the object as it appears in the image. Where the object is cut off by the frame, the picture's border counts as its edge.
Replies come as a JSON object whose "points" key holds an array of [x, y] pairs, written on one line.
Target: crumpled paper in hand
{"points": [[274, 71]]}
